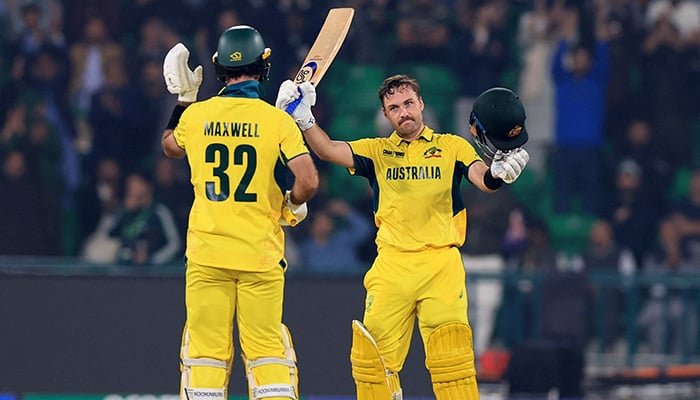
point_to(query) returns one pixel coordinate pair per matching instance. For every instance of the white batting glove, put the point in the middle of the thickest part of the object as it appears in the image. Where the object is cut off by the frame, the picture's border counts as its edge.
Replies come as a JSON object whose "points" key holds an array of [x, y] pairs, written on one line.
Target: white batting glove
{"points": [[288, 93], [292, 213], [508, 166], [179, 79]]}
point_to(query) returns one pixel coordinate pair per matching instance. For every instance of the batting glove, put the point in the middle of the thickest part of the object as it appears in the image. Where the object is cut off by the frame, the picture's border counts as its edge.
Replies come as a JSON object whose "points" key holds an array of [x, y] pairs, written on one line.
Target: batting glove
{"points": [[508, 166], [292, 213], [288, 93], [179, 79]]}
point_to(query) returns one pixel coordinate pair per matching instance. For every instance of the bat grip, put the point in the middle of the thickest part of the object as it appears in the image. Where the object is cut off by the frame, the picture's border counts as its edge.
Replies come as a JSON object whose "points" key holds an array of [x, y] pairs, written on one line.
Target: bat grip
{"points": [[293, 105]]}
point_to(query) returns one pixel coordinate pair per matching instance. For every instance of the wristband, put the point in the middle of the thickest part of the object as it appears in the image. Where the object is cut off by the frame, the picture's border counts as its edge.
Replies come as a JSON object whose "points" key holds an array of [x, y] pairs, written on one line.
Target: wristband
{"points": [[491, 182], [175, 116]]}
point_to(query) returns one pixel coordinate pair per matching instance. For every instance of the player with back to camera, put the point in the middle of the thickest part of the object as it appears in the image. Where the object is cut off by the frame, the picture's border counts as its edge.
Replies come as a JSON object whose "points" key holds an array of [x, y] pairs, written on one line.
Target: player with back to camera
{"points": [[418, 273], [238, 148]]}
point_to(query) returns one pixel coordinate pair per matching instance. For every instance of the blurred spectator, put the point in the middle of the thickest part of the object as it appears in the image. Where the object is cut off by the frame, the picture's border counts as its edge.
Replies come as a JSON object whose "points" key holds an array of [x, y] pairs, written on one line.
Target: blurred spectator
{"points": [[479, 55], [158, 102], [680, 231], [684, 15], [632, 213], [537, 256], [639, 144], [371, 34], [172, 189], [331, 247], [666, 73], [89, 58], [535, 89], [27, 130], [488, 217], [580, 76], [22, 228], [48, 87], [14, 129], [514, 241], [98, 200], [604, 256], [623, 20], [40, 28], [117, 116], [537, 253], [145, 228], [668, 319], [423, 29], [151, 44], [43, 154], [79, 13]]}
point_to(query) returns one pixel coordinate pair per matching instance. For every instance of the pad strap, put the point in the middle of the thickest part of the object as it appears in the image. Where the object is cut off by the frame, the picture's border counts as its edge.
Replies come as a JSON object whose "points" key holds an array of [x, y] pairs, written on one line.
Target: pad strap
{"points": [[204, 362], [270, 360]]}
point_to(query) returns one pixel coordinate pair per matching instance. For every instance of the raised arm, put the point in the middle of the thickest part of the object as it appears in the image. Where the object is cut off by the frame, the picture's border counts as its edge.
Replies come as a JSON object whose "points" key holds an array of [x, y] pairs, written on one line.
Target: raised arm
{"points": [[183, 82], [335, 151]]}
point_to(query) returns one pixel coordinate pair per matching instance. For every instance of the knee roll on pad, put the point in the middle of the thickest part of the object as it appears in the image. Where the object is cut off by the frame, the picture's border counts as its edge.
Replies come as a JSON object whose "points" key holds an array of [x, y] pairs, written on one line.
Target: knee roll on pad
{"points": [[256, 368], [373, 380], [186, 364], [450, 360]]}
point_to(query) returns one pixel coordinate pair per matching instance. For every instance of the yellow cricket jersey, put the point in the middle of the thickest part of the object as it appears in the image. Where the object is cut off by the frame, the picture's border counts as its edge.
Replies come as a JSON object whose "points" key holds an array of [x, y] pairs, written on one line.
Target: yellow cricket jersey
{"points": [[417, 201], [237, 146]]}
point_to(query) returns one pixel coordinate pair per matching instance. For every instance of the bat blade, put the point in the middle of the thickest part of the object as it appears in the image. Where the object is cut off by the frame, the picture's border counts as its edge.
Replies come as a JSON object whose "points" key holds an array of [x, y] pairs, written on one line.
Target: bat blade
{"points": [[324, 49]]}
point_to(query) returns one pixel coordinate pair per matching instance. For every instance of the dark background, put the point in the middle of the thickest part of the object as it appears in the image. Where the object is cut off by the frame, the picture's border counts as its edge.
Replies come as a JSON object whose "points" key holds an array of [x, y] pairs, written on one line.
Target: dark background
{"points": [[88, 334]]}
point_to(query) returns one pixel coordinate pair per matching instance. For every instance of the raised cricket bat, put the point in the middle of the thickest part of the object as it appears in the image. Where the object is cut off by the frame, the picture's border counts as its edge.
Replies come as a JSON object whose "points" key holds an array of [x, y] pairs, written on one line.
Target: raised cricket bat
{"points": [[324, 49]]}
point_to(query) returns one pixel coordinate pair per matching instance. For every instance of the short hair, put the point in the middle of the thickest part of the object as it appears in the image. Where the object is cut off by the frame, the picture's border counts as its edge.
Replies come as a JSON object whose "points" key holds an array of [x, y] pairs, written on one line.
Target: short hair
{"points": [[395, 82]]}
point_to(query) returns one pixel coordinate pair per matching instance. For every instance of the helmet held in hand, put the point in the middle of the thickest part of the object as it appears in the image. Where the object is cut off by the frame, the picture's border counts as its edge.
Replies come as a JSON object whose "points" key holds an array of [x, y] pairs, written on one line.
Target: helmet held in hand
{"points": [[497, 121]]}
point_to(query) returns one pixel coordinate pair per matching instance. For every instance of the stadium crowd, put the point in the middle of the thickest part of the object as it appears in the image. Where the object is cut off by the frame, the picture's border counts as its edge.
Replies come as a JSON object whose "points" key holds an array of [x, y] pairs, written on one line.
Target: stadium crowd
{"points": [[610, 87]]}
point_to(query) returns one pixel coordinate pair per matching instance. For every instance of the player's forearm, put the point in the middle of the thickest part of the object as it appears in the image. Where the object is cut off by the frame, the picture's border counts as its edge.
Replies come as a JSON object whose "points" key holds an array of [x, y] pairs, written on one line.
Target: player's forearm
{"points": [[334, 151], [305, 178], [302, 193], [480, 175], [170, 147], [168, 142]]}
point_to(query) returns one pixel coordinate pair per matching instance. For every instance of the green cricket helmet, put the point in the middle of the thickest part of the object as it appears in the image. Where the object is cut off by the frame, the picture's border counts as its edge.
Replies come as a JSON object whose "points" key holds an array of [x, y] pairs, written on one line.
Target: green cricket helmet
{"points": [[241, 51], [497, 121]]}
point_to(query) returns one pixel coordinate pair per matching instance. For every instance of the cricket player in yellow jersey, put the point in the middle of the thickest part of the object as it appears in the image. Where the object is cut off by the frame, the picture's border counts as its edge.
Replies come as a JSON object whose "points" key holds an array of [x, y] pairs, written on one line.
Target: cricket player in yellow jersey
{"points": [[238, 148], [418, 272]]}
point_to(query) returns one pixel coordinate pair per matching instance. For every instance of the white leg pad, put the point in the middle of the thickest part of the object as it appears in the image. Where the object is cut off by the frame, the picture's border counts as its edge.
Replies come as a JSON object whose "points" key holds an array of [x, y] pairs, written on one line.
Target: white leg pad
{"points": [[189, 393], [276, 389]]}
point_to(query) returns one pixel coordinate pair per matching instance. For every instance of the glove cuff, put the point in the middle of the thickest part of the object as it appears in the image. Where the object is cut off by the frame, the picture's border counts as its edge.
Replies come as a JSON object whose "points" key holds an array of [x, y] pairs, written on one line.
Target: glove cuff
{"points": [[288, 201], [188, 97], [306, 123]]}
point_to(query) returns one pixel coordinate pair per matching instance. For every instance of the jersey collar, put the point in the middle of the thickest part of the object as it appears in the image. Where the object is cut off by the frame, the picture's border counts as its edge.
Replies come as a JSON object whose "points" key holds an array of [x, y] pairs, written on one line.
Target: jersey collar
{"points": [[426, 135], [249, 89]]}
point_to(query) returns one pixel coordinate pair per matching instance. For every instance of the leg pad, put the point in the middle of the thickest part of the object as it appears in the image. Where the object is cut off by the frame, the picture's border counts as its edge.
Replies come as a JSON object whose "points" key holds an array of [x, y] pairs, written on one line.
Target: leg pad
{"points": [[450, 360], [373, 380]]}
